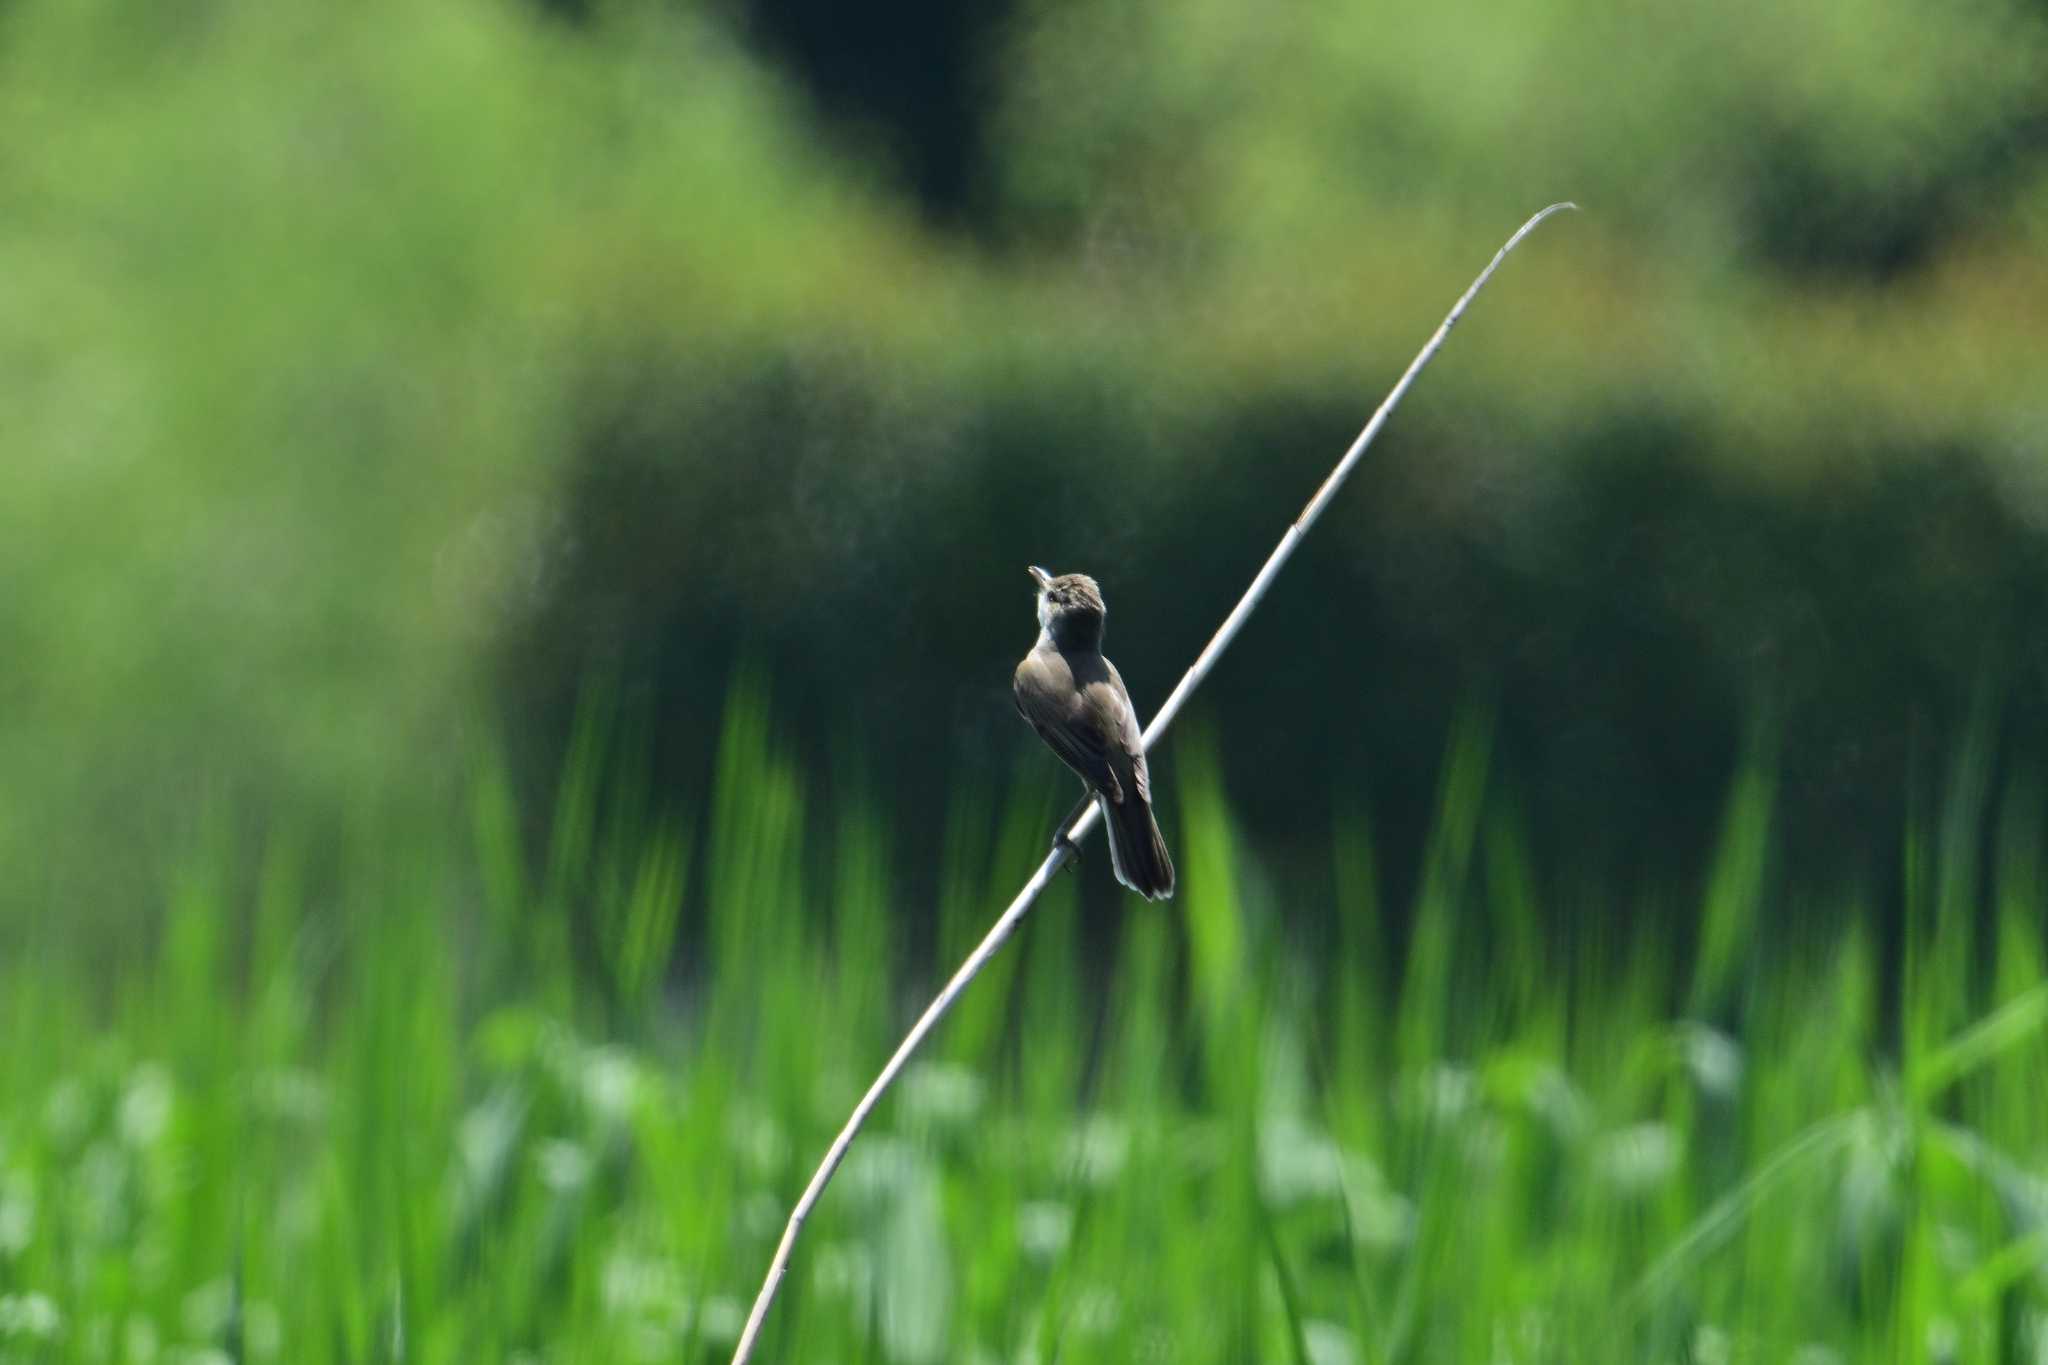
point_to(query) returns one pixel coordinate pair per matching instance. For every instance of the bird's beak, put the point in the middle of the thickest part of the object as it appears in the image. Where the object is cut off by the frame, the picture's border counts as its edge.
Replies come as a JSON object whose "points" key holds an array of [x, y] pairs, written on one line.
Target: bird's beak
{"points": [[1040, 577]]}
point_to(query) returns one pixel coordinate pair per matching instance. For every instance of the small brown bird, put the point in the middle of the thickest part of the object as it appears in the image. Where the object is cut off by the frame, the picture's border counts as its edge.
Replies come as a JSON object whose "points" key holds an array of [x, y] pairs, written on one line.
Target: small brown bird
{"points": [[1076, 701]]}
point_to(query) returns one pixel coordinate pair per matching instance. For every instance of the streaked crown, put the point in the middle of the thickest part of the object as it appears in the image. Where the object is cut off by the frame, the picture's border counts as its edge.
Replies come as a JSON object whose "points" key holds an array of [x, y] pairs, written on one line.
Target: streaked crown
{"points": [[1075, 592]]}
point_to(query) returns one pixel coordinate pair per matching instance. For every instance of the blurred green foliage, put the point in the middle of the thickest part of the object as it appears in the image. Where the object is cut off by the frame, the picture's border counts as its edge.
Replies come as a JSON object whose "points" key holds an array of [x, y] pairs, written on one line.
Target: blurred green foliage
{"points": [[1622, 936], [1842, 139], [361, 364], [389, 1113], [298, 306]]}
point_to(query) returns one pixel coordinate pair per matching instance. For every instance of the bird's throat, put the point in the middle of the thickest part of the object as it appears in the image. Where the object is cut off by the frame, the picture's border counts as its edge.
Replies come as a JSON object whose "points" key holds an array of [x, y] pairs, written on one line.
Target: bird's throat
{"points": [[1072, 633]]}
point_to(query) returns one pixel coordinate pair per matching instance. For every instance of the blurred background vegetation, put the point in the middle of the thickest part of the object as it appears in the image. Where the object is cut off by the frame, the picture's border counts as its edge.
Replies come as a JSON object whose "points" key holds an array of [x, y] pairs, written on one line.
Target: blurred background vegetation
{"points": [[512, 519]]}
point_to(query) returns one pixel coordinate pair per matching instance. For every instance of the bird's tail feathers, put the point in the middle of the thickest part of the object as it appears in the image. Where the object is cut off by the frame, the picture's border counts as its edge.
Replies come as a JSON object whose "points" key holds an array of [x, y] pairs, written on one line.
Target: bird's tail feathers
{"points": [[1137, 851]]}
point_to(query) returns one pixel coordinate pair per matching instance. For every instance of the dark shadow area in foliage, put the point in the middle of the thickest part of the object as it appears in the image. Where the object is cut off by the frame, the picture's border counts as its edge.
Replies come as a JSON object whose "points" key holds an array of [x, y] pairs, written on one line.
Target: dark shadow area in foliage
{"points": [[897, 85], [902, 75], [1811, 214]]}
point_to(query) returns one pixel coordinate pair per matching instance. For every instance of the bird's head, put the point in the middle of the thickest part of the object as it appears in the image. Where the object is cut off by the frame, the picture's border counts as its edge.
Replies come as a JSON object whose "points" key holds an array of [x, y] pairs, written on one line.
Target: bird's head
{"points": [[1070, 606]]}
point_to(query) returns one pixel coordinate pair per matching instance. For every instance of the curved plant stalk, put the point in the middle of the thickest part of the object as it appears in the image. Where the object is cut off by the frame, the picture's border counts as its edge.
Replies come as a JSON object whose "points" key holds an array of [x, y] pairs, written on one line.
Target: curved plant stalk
{"points": [[1047, 870]]}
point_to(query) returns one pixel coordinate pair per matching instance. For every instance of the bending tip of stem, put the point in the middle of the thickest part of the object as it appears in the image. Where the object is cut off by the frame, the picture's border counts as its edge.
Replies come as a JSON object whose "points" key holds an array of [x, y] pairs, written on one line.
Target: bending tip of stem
{"points": [[1525, 229]]}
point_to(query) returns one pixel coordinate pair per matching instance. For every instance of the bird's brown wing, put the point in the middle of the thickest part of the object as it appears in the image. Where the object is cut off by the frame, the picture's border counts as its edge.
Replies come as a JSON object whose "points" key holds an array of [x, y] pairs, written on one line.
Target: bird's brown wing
{"points": [[1064, 718], [1119, 718]]}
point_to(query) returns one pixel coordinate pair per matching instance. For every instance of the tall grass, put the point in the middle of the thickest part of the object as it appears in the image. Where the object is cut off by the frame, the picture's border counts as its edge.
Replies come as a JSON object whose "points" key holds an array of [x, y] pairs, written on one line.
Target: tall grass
{"points": [[480, 1090]]}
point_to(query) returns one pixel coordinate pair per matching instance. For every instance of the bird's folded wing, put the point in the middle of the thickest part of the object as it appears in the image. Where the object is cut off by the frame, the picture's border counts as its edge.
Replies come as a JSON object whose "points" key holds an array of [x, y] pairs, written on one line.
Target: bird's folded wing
{"points": [[1120, 718], [1065, 720], [1081, 750]]}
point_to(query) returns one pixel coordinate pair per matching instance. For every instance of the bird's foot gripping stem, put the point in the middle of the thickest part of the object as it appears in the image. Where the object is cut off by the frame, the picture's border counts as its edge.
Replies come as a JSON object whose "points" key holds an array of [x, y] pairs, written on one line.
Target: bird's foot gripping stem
{"points": [[1065, 827]]}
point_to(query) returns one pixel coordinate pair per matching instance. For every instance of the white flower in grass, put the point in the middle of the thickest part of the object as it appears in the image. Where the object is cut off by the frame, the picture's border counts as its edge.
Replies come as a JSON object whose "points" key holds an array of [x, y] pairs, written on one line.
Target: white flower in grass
{"points": [[721, 1318], [28, 1317], [17, 1213], [914, 1273], [1329, 1343], [611, 1083], [1441, 1094], [1714, 1059], [102, 1190], [1869, 1198], [759, 1141], [1096, 1149], [846, 1271], [1298, 1162], [2033, 1335], [1044, 1228], [487, 1136], [1552, 1095], [644, 1297], [145, 1110], [291, 1095], [565, 1167], [878, 1168], [1388, 1225], [1637, 1159], [941, 1094], [629, 1284], [1813, 1353], [207, 1309], [1382, 1219]]}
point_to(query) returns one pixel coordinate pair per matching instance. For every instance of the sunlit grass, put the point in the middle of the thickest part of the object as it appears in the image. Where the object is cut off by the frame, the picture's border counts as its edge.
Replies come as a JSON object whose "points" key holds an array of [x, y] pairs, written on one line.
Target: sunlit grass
{"points": [[383, 1102]]}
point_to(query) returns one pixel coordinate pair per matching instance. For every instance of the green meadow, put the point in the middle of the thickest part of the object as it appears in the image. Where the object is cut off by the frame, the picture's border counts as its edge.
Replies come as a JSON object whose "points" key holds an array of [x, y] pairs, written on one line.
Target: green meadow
{"points": [[1613, 883], [430, 1091]]}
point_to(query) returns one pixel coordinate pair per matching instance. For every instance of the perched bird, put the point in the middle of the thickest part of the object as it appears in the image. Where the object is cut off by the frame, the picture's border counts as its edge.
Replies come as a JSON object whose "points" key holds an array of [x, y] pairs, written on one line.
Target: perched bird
{"points": [[1073, 697]]}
